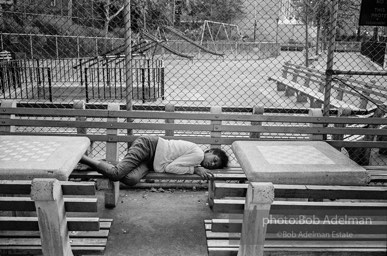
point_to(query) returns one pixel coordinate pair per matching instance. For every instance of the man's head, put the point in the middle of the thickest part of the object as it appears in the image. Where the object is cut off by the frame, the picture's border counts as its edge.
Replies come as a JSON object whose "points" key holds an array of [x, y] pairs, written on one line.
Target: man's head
{"points": [[214, 158]]}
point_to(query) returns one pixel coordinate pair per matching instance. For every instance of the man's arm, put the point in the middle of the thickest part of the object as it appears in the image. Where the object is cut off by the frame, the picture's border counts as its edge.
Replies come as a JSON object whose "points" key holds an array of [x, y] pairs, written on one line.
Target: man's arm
{"points": [[203, 172], [185, 164]]}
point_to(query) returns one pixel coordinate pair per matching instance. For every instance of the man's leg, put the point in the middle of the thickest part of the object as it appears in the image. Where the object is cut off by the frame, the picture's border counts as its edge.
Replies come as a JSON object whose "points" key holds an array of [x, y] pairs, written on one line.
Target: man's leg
{"points": [[140, 152], [136, 175]]}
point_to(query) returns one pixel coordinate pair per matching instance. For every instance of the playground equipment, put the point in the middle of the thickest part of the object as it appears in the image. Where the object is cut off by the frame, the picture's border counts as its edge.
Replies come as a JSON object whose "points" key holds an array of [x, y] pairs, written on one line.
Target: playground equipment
{"points": [[200, 46], [226, 28]]}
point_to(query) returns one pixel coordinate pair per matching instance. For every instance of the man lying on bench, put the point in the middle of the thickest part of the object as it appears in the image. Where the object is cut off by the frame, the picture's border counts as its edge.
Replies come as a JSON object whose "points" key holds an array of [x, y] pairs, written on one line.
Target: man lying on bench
{"points": [[170, 156]]}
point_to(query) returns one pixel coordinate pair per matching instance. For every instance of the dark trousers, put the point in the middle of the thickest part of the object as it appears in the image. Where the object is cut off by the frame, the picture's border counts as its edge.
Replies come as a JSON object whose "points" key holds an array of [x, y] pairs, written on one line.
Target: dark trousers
{"points": [[135, 165]]}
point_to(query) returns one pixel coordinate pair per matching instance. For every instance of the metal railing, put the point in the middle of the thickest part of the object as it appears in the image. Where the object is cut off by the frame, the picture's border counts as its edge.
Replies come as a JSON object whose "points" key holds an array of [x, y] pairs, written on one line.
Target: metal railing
{"points": [[88, 79]]}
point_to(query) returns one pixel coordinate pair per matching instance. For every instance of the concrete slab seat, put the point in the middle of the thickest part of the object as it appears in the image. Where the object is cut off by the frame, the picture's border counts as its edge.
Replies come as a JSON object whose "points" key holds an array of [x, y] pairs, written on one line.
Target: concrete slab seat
{"points": [[299, 220], [308, 84], [50, 217]]}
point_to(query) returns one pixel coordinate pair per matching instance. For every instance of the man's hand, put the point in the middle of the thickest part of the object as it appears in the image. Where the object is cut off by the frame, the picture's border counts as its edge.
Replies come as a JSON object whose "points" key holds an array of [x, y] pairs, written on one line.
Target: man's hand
{"points": [[203, 172]]}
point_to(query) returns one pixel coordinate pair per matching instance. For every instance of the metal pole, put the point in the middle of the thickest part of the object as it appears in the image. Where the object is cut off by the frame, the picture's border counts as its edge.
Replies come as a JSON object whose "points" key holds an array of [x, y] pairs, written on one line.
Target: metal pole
{"points": [[128, 56], [330, 55], [306, 35], [128, 66]]}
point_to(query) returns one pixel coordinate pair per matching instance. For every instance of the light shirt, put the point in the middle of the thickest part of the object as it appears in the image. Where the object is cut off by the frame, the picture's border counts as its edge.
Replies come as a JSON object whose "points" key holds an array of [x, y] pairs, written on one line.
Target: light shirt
{"points": [[177, 156]]}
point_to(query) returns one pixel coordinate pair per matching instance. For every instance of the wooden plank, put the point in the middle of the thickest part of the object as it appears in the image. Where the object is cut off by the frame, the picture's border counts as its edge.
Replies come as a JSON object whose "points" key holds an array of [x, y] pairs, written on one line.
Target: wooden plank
{"points": [[15, 187], [309, 227], [105, 225], [74, 234], [31, 223], [36, 250], [308, 208], [84, 242], [22, 187], [232, 251], [27, 204], [306, 191], [308, 244], [292, 235], [201, 127], [193, 116]]}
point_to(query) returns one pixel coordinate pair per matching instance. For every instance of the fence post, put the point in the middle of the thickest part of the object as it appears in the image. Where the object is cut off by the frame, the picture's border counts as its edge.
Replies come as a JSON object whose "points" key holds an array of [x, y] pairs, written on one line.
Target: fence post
{"points": [[216, 133], [259, 197], [257, 110], [169, 108], [340, 113], [49, 203], [112, 192], [316, 112], [81, 105], [7, 104]]}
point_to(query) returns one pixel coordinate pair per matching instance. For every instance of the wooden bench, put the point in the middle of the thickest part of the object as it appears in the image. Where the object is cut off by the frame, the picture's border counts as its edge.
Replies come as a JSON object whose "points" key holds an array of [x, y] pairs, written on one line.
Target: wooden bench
{"points": [[48, 217], [301, 219], [5, 56], [109, 130], [308, 84]]}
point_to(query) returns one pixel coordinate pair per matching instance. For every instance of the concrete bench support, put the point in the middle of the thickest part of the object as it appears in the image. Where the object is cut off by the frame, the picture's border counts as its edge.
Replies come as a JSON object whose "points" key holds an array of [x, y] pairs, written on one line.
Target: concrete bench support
{"points": [[259, 198], [48, 197]]}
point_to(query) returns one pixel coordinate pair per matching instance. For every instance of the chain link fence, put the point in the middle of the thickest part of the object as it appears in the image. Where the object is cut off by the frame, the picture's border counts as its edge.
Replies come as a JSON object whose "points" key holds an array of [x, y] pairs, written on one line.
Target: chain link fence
{"points": [[193, 54]]}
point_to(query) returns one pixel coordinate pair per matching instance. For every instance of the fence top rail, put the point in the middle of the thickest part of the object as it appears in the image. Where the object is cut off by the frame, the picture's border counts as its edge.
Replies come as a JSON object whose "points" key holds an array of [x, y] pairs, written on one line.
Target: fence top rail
{"points": [[191, 116]]}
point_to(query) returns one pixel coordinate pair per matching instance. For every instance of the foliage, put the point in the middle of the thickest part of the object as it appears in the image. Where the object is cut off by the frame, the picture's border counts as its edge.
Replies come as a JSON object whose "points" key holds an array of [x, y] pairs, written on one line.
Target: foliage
{"points": [[215, 10], [319, 12]]}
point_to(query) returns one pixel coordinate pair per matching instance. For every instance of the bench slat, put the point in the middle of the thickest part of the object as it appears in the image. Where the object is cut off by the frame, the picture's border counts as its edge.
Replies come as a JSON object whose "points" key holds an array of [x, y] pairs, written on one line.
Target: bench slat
{"points": [[26, 250], [31, 223], [27, 204], [222, 189], [311, 225], [233, 251], [23, 187], [307, 208], [272, 236], [306, 244], [84, 242]]}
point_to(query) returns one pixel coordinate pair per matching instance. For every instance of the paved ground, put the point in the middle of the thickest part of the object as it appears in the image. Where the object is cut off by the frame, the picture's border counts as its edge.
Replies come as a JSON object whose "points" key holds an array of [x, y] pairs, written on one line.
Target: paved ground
{"points": [[166, 223]]}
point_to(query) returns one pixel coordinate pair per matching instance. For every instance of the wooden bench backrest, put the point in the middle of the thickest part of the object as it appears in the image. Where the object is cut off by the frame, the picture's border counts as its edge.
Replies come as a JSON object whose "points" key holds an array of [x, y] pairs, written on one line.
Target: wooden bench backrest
{"points": [[212, 129]]}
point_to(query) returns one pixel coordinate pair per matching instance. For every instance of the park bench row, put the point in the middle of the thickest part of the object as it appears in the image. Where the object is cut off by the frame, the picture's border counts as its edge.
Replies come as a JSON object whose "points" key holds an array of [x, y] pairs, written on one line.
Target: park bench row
{"points": [[108, 129], [299, 219], [48, 217], [308, 84]]}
